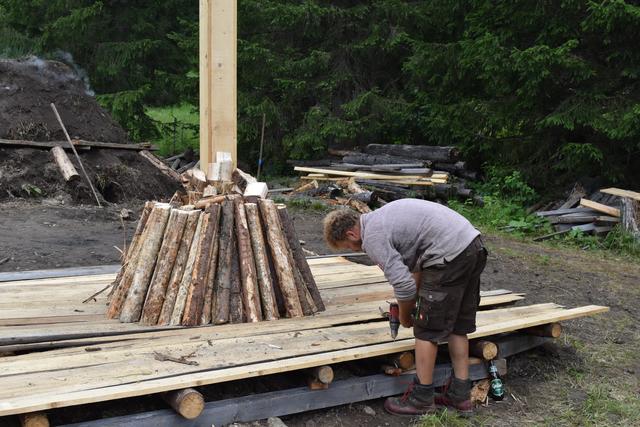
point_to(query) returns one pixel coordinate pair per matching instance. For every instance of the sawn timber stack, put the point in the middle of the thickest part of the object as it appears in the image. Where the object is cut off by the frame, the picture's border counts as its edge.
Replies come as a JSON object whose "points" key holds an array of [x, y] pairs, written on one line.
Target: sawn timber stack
{"points": [[231, 262]]}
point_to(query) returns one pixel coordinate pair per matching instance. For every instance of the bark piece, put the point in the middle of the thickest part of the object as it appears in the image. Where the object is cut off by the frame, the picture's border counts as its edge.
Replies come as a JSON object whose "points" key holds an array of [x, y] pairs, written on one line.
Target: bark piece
{"points": [[164, 267], [281, 259], [260, 252], [146, 262], [225, 254], [177, 272]]}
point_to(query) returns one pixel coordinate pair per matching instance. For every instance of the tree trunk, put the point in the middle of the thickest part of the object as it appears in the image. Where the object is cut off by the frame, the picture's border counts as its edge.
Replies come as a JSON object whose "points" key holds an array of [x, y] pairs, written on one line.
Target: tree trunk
{"points": [[299, 258], [205, 319], [267, 295], [185, 282], [250, 293], [68, 171], [225, 254], [630, 216], [171, 294], [282, 264], [164, 266], [147, 257], [195, 298], [426, 152], [236, 309]]}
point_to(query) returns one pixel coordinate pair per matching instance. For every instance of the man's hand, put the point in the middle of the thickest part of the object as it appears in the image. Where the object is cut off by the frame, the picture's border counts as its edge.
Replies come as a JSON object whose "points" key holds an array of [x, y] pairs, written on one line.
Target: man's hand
{"points": [[406, 312]]}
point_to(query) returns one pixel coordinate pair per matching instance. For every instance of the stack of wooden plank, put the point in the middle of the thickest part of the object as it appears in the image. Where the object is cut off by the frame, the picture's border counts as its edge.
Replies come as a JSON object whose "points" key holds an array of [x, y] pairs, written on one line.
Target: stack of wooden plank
{"points": [[597, 215], [232, 262]]}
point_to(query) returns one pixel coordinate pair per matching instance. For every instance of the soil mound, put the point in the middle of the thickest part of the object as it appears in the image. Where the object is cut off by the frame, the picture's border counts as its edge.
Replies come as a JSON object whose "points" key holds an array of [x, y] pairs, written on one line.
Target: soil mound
{"points": [[29, 86]]}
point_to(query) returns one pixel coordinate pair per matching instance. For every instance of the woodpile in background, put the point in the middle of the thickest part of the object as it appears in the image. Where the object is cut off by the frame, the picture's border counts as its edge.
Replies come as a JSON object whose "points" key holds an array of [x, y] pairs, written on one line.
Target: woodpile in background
{"points": [[596, 215], [387, 173], [222, 259]]}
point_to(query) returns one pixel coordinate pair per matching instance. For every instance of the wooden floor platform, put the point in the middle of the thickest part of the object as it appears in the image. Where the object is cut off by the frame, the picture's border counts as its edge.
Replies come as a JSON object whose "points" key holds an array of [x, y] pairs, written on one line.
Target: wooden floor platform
{"points": [[88, 359]]}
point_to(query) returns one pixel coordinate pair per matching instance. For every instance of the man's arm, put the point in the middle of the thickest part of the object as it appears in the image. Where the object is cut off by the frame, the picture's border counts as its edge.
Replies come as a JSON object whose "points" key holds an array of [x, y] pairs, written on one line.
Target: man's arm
{"points": [[406, 306]]}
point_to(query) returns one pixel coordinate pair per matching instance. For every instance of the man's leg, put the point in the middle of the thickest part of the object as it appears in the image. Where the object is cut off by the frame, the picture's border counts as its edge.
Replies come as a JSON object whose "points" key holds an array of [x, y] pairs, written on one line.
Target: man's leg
{"points": [[459, 352], [426, 352]]}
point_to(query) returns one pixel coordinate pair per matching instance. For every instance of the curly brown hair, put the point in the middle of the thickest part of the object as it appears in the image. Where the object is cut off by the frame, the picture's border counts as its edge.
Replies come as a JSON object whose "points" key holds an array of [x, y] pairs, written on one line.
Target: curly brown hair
{"points": [[337, 223]]}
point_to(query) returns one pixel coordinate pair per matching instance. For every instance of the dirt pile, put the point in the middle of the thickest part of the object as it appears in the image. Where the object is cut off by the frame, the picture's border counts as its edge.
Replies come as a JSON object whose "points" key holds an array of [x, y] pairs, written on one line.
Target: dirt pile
{"points": [[27, 88]]}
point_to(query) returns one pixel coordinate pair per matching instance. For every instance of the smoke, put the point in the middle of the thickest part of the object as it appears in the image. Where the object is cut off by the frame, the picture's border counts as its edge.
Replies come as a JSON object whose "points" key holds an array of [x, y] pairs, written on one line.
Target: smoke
{"points": [[81, 73]]}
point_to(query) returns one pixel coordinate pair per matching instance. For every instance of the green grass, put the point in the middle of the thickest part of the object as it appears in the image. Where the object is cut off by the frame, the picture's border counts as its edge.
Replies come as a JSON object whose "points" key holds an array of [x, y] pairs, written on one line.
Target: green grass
{"points": [[186, 119]]}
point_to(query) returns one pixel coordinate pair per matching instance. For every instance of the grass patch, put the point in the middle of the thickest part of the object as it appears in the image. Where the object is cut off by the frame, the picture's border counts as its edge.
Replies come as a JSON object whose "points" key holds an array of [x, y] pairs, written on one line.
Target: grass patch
{"points": [[303, 204], [177, 126]]}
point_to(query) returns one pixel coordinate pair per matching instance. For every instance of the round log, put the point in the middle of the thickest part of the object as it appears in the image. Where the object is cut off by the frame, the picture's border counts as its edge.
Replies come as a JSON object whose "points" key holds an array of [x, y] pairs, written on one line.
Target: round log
{"points": [[187, 402], [236, 306], [205, 319], [171, 293], [324, 374], [68, 171], [132, 307], [553, 330], [483, 349], [34, 419], [250, 293], [405, 360], [267, 295], [220, 310]]}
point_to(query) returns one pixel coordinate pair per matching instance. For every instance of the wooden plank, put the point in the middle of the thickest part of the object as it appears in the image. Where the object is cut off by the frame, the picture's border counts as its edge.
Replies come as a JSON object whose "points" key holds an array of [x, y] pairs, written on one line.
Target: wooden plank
{"points": [[218, 79], [621, 193], [58, 272], [566, 211], [164, 169], [363, 175], [599, 207], [287, 402], [423, 182], [77, 143]]}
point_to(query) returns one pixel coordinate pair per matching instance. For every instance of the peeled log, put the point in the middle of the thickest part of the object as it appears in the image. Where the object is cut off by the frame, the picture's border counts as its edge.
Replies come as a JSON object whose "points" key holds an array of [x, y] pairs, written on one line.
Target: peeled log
{"points": [[236, 309], [187, 402], [267, 294], [193, 218], [68, 171], [164, 266], [225, 254], [147, 257], [250, 293], [205, 319], [195, 297], [483, 349], [185, 282], [426, 152], [553, 330], [280, 256], [299, 257]]}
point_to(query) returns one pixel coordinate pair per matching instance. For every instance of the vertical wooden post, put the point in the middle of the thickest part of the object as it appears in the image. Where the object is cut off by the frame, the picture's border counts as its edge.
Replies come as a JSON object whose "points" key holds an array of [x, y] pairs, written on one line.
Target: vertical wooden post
{"points": [[218, 79]]}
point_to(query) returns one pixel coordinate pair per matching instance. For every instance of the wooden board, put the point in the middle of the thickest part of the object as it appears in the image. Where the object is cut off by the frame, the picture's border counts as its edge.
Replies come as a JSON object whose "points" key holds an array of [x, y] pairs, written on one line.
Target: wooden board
{"points": [[599, 207], [77, 143], [218, 80], [622, 193]]}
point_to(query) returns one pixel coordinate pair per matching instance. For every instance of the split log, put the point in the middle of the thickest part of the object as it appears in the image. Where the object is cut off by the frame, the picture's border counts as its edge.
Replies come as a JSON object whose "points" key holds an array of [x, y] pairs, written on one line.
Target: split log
{"points": [[68, 171], [483, 349], [299, 257], [226, 171], [34, 419], [259, 246], [209, 191], [236, 307], [121, 287], [195, 298], [242, 179], [553, 330], [145, 264], [185, 282], [382, 159], [630, 215], [256, 189], [193, 218], [225, 255], [155, 161], [250, 293], [284, 269], [207, 307], [164, 267], [426, 152], [187, 402]]}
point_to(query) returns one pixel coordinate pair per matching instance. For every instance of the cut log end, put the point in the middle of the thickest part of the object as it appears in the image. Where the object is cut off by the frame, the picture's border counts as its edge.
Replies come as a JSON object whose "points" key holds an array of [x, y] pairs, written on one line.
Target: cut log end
{"points": [[483, 349], [34, 419], [187, 402], [553, 330]]}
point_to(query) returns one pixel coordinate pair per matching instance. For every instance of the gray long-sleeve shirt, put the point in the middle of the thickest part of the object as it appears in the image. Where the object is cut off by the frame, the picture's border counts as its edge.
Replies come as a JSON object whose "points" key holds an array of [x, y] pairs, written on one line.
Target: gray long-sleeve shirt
{"points": [[408, 235]]}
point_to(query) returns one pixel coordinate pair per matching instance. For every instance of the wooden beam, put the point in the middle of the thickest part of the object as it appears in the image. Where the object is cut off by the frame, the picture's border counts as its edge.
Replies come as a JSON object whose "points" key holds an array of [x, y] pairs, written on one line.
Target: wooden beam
{"points": [[218, 79], [76, 143], [621, 193], [600, 207], [59, 272]]}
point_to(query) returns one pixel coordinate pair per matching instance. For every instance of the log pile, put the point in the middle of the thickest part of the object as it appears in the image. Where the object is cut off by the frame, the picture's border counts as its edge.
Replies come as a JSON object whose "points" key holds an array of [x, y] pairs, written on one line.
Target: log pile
{"points": [[228, 259], [596, 215], [390, 172]]}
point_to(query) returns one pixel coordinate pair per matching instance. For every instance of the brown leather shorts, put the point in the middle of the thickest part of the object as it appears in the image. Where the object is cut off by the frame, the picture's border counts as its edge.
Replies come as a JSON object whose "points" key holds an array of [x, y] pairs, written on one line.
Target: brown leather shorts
{"points": [[449, 295]]}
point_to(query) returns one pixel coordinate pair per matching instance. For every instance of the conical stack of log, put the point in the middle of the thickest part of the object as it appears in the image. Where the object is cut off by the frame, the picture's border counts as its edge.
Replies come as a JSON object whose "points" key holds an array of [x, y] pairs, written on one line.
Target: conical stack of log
{"points": [[233, 261]]}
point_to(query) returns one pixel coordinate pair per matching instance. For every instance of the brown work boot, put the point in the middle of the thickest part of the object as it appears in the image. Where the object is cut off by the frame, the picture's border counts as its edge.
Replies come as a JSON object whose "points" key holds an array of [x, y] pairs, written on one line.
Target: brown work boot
{"points": [[457, 395], [417, 400]]}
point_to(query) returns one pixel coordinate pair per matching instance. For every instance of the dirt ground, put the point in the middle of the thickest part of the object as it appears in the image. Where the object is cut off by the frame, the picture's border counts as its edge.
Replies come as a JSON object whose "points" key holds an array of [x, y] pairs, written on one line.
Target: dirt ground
{"points": [[589, 376]]}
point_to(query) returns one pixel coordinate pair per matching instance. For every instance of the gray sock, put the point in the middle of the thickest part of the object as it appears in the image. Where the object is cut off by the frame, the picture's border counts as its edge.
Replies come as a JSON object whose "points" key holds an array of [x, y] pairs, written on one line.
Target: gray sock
{"points": [[459, 390]]}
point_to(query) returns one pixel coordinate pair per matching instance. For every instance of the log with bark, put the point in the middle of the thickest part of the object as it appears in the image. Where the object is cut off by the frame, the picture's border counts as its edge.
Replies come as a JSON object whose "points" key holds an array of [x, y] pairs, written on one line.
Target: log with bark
{"points": [[630, 215], [382, 159], [236, 307], [250, 293], [209, 297], [225, 254], [283, 266], [426, 152]]}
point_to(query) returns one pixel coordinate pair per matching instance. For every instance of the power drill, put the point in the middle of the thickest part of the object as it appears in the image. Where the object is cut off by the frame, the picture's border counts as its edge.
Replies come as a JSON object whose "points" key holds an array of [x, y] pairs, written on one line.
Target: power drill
{"points": [[394, 319]]}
